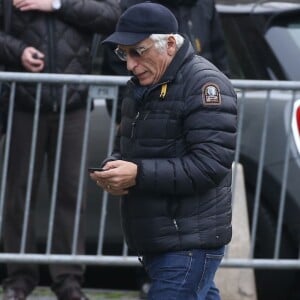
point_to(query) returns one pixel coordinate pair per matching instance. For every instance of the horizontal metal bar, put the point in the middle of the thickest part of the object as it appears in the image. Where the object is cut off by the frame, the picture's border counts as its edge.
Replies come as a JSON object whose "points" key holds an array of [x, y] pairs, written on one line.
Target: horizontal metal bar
{"points": [[63, 78], [110, 260], [261, 263], [121, 80]]}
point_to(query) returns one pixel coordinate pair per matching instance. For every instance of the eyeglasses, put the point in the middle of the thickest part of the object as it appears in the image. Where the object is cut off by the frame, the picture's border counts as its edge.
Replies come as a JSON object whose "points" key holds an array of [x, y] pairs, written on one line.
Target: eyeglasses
{"points": [[135, 52]]}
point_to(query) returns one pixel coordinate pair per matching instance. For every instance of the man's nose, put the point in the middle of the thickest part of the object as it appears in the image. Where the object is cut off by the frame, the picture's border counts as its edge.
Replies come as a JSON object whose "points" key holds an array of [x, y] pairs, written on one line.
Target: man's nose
{"points": [[131, 63]]}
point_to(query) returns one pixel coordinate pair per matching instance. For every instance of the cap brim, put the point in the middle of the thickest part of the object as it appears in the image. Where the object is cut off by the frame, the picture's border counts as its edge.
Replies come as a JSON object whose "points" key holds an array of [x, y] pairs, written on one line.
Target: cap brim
{"points": [[125, 38]]}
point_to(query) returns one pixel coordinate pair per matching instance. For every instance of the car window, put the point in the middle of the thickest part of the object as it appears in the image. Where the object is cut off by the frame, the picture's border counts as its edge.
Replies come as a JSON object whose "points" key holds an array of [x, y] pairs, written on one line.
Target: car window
{"points": [[284, 38], [250, 56]]}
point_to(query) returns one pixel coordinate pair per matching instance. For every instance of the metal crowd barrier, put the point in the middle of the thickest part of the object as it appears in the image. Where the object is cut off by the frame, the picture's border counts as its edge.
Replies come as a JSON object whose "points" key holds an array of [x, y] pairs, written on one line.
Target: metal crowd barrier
{"points": [[106, 87]]}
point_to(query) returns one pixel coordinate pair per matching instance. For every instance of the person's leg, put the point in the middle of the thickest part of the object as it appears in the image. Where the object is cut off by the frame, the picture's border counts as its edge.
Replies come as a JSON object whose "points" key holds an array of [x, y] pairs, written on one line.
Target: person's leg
{"points": [[213, 293], [183, 274], [21, 276], [67, 276], [207, 289]]}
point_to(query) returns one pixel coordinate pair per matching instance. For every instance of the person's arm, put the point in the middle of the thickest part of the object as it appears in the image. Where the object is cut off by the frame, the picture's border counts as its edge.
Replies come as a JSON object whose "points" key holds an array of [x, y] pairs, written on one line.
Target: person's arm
{"points": [[92, 15], [217, 43], [11, 49], [14, 52], [96, 16]]}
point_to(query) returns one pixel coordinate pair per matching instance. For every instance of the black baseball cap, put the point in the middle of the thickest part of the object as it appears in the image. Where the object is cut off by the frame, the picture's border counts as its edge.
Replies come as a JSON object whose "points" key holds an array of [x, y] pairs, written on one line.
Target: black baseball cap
{"points": [[139, 21]]}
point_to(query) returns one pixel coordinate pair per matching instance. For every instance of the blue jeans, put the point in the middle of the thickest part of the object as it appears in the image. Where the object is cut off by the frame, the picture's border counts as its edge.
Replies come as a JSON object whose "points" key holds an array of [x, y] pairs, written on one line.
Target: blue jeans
{"points": [[187, 275]]}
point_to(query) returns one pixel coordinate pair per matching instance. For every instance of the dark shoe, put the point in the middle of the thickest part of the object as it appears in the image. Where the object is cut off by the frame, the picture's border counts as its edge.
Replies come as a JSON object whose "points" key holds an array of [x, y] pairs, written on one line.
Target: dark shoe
{"points": [[14, 294], [72, 294]]}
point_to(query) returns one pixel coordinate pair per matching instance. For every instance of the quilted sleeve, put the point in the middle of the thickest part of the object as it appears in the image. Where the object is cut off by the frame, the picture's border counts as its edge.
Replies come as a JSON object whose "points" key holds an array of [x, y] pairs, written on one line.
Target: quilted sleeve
{"points": [[96, 16]]}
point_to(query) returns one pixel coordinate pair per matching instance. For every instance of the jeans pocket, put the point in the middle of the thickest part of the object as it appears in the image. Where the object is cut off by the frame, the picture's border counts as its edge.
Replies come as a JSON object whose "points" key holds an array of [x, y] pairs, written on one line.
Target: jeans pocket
{"points": [[211, 264], [171, 267]]}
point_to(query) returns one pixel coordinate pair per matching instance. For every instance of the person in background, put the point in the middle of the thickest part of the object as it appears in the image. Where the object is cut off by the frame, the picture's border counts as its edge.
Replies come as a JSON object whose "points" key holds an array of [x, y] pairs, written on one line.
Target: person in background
{"points": [[48, 36], [198, 20], [172, 159]]}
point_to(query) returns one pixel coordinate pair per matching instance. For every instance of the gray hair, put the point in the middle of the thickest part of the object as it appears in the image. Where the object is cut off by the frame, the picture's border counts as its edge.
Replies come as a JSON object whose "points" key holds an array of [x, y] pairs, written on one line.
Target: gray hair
{"points": [[160, 40]]}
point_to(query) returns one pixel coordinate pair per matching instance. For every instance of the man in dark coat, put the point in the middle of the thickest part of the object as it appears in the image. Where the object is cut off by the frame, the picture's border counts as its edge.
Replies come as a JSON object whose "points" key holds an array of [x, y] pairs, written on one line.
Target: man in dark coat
{"points": [[173, 155], [48, 36]]}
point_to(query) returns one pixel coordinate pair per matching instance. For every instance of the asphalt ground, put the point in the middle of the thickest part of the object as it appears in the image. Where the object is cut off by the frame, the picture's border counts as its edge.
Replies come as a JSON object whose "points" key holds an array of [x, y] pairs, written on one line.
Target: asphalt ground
{"points": [[44, 293]]}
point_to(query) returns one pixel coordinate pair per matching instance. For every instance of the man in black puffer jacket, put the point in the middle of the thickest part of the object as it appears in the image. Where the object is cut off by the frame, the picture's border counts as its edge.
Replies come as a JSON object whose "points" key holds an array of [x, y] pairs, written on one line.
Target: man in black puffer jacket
{"points": [[49, 36], [173, 155]]}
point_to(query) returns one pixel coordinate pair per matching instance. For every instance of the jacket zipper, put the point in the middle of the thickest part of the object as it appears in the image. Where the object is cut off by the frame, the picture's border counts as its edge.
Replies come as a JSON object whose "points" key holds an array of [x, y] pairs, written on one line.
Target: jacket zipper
{"points": [[133, 124], [175, 224]]}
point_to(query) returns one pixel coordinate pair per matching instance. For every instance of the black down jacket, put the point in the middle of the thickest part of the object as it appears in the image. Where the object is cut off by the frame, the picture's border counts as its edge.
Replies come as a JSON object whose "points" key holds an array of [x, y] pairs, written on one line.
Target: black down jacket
{"points": [[183, 142], [65, 37]]}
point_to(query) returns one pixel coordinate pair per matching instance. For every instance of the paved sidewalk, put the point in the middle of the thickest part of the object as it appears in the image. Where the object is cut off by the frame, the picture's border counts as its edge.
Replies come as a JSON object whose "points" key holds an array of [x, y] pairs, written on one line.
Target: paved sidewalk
{"points": [[43, 293]]}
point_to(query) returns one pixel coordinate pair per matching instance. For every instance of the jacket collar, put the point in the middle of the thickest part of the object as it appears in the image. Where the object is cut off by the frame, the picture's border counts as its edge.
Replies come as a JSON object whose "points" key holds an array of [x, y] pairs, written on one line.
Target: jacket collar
{"points": [[185, 53]]}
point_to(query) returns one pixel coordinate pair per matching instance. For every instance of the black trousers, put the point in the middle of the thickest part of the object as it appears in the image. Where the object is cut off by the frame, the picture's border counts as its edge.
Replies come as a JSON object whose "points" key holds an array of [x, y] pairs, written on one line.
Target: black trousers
{"points": [[67, 189]]}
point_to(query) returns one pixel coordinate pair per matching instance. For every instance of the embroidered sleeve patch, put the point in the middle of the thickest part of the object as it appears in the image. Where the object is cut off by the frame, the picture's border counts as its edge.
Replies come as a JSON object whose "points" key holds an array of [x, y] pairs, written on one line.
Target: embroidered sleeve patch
{"points": [[211, 94]]}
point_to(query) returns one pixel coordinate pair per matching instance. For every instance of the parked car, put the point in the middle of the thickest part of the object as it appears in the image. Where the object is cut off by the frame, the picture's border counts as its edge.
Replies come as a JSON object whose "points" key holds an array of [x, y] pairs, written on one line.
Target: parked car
{"points": [[263, 42]]}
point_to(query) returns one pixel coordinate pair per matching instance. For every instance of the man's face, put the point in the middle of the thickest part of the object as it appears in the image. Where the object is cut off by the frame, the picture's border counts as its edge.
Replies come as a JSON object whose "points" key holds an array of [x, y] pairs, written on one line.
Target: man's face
{"points": [[147, 62]]}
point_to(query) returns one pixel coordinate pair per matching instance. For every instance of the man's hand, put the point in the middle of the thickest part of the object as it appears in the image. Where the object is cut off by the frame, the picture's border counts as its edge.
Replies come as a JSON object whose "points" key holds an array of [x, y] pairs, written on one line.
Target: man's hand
{"points": [[32, 60], [42, 5], [118, 177]]}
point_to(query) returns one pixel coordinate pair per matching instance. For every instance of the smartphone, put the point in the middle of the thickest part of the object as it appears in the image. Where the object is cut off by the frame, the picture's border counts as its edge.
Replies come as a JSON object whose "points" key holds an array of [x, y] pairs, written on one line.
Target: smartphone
{"points": [[93, 169]]}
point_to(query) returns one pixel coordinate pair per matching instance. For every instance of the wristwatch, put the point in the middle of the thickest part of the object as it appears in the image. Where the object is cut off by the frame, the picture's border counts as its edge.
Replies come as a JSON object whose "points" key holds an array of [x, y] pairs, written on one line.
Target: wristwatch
{"points": [[56, 4]]}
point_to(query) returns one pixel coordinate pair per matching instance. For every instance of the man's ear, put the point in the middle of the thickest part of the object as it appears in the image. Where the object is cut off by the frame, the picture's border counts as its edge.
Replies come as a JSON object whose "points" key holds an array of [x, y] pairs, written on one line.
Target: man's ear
{"points": [[171, 45]]}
